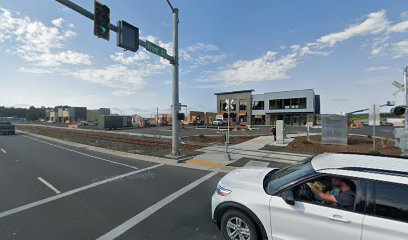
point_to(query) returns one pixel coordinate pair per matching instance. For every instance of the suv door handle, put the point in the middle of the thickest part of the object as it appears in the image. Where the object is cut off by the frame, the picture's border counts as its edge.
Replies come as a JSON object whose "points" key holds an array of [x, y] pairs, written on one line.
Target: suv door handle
{"points": [[338, 218]]}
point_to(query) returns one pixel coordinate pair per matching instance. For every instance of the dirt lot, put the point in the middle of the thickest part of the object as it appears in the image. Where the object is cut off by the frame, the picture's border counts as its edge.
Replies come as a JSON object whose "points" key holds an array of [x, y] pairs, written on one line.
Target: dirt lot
{"points": [[119, 142], [217, 139], [357, 144]]}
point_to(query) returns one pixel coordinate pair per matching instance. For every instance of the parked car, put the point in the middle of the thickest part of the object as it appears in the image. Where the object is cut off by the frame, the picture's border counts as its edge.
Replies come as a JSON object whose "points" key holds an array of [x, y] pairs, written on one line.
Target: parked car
{"points": [[291, 203], [7, 128], [220, 122]]}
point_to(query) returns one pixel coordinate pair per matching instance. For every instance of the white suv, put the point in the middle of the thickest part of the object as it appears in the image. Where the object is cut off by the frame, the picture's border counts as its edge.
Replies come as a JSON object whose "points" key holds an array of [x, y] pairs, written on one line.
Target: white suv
{"points": [[265, 203]]}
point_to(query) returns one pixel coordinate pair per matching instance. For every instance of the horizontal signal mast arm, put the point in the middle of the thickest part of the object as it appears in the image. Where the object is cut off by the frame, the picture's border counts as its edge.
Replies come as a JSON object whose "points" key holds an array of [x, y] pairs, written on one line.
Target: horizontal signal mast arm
{"points": [[90, 15]]}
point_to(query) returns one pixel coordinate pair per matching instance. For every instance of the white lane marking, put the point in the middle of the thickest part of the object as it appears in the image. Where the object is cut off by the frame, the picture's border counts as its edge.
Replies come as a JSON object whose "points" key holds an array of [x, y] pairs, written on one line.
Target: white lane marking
{"points": [[84, 154], [49, 185], [119, 230], [71, 192], [4, 151]]}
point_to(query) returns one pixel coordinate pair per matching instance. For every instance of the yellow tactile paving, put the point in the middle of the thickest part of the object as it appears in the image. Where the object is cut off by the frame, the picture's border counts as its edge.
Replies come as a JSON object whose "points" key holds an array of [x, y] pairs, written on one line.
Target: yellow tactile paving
{"points": [[204, 163]]}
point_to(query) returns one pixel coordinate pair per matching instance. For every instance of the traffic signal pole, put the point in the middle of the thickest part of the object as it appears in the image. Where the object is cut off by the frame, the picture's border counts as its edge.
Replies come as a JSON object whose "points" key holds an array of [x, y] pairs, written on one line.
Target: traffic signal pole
{"points": [[406, 96], [174, 60], [175, 150]]}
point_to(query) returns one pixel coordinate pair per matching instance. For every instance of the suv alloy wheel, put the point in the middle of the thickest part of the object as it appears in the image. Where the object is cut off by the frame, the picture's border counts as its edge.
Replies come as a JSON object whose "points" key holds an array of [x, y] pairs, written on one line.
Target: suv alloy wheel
{"points": [[235, 225]]}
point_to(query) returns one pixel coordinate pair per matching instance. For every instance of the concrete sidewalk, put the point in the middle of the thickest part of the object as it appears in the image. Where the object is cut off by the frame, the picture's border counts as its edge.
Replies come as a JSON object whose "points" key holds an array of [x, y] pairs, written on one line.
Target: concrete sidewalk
{"points": [[215, 156]]}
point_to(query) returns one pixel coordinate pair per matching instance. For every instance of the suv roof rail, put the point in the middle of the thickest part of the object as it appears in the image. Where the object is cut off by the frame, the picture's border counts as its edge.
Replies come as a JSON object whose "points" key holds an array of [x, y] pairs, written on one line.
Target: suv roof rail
{"points": [[372, 155], [381, 171]]}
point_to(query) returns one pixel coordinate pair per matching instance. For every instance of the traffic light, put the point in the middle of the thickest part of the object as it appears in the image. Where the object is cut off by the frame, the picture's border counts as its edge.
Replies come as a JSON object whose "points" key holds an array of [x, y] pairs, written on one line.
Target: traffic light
{"points": [[398, 110], [101, 21], [181, 116]]}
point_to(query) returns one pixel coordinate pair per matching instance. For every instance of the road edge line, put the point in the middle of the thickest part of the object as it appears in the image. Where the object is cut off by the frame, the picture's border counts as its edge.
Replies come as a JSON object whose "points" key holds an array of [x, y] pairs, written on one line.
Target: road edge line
{"points": [[132, 156]]}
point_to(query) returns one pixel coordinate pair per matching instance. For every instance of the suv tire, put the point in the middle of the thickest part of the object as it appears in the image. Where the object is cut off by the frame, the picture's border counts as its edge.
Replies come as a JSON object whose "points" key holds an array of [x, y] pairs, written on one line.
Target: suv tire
{"points": [[236, 223]]}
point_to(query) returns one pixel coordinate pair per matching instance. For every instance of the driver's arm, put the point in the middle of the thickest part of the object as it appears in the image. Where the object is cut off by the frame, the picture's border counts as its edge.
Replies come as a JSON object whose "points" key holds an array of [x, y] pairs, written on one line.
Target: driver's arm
{"points": [[322, 195]]}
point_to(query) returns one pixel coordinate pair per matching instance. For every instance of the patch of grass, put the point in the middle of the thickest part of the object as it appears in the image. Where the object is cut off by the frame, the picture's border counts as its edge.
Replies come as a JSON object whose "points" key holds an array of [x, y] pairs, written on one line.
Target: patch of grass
{"points": [[307, 142], [374, 152]]}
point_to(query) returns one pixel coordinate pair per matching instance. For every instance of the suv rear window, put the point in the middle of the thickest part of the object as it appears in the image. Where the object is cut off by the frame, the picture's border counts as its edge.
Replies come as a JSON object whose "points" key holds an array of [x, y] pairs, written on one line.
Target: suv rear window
{"points": [[391, 201]]}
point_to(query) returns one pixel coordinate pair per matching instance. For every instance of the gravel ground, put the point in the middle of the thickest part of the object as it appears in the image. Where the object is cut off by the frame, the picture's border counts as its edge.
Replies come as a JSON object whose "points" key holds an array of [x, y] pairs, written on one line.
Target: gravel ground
{"points": [[146, 149], [357, 144]]}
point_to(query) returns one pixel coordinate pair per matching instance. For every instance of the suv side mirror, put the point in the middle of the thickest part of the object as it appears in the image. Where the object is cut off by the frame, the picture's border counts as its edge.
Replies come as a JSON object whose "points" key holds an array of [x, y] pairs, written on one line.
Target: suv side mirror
{"points": [[288, 197]]}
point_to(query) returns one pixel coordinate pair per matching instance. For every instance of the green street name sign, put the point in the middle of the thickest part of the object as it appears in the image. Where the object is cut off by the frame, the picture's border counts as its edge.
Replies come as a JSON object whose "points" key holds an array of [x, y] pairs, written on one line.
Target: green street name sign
{"points": [[153, 48]]}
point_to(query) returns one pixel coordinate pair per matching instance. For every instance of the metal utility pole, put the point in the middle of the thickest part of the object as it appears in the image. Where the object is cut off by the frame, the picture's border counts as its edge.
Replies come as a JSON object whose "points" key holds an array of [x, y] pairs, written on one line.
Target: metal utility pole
{"points": [[175, 150], [406, 96]]}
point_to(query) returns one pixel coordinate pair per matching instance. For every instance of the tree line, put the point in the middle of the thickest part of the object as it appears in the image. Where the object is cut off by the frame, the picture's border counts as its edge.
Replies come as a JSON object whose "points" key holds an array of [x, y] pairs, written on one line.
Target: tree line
{"points": [[32, 113]]}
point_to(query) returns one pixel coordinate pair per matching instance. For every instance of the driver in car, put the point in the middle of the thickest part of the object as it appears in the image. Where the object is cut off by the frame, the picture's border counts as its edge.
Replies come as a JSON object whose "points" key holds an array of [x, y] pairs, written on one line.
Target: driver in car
{"points": [[343, 199]]}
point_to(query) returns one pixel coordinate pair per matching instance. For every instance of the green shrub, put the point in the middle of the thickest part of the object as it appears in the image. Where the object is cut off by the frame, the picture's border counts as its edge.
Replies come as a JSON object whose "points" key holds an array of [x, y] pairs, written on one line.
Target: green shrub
{"points": [[307, 142], [374, 152]]}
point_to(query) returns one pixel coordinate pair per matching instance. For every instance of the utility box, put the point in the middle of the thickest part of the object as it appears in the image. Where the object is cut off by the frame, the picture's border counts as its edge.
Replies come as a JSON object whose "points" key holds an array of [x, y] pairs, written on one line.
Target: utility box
{"points": [[334, 129], [114, 121], [280, 132]]}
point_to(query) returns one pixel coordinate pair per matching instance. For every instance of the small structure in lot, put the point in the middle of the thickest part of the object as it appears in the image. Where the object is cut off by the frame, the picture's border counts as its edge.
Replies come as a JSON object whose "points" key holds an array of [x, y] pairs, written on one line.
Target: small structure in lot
{"points": [[114, 121], [334, 129]]}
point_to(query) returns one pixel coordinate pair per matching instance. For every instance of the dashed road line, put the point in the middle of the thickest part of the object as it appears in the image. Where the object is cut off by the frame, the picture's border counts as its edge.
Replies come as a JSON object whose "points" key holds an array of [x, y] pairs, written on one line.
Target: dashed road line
{"points": [[49, 185], [119, 230], [71, 192], [3, 151], [84, 154]]}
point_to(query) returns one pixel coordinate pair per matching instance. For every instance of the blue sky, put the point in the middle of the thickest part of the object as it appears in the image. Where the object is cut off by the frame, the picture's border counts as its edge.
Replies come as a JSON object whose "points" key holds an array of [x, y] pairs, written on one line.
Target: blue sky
{"points": [[348, 51]]}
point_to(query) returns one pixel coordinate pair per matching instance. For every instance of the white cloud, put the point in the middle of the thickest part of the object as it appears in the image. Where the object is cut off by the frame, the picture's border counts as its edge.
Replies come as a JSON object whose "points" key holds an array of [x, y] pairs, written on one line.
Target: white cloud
{"points": [[202, 47], [37, 43], [267, 67], [400, 49], [137, 57], [377, 68], [57, 22], [125, 80], [399, 27], [271, 66], [34, 70], [374, 23]]}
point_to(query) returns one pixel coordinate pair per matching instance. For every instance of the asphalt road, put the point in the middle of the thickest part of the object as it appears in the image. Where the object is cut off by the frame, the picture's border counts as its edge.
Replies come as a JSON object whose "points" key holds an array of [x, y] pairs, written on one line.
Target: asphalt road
{"points": [[52, 191]]}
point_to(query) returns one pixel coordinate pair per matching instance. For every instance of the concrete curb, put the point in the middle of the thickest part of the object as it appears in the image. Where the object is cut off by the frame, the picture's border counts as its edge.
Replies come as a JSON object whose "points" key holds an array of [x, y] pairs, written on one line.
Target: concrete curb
{"points": [[167, 161]]}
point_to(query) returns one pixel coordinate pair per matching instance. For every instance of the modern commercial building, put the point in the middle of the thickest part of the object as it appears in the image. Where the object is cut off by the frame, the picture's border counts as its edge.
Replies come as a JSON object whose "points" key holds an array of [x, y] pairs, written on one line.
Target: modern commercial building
{"points": [[74, 114], [295, 107], [92, 114]]}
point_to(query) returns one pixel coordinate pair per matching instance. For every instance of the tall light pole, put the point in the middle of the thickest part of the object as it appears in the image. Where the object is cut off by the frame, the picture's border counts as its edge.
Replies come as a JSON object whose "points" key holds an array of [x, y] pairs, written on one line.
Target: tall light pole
{"points": [[175, 150], [406, 96]]}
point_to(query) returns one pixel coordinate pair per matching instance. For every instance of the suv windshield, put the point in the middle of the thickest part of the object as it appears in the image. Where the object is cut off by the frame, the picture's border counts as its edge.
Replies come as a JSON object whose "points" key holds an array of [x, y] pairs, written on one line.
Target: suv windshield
{"points": [[5, 123], [289, 174]]}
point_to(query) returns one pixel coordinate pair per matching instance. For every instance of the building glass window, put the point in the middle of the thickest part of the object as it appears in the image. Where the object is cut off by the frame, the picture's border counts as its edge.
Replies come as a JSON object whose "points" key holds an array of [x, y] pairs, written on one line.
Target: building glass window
{"points": [[279, 104], [294, 103], [272, 104], [276, 104], [258, 119], [258, 105], [302, 103], [391, 201], [223, 105], [242, 105], [242, 118], [286, 103]]}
